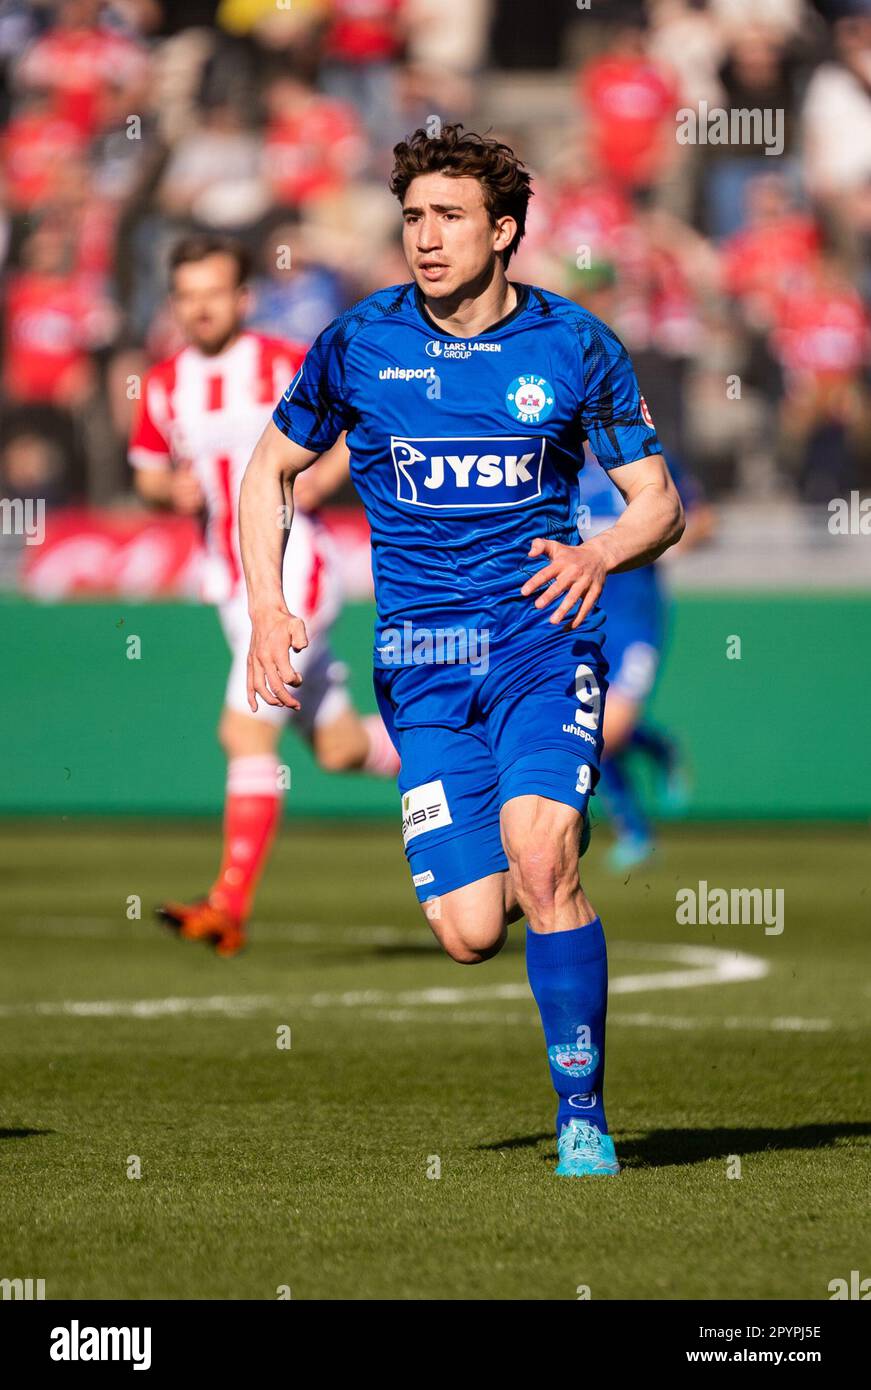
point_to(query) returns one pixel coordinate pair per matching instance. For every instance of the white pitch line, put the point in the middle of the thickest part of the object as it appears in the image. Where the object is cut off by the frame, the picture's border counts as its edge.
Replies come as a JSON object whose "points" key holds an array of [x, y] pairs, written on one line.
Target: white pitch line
{"points": [[709, 966]]}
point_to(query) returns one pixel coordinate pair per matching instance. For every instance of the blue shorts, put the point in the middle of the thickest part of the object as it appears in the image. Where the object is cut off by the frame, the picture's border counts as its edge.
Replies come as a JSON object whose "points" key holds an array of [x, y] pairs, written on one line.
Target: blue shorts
{"points": [[634, 629], [531, 724]]}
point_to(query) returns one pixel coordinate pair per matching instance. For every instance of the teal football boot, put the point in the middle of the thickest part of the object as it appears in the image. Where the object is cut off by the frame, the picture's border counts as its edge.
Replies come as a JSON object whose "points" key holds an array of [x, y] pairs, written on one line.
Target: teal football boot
{"points": [[585, 1152]]}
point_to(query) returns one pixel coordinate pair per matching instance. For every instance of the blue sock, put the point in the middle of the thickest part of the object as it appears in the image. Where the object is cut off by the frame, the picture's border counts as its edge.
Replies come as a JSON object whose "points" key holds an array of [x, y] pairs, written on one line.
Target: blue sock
{"points": [[621, 800], [568, 975]]}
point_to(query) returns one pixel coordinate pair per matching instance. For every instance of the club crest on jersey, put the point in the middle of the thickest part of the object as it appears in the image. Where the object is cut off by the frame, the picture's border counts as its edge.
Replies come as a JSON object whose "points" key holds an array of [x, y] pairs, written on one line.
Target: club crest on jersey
{"points": [[574, 1059], [472, 472], [530, 399]]}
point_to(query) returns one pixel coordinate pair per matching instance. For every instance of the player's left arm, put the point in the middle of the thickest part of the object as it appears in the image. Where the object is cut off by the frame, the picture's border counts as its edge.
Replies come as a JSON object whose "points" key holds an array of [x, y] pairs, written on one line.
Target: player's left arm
{"points": [[653, 520]]}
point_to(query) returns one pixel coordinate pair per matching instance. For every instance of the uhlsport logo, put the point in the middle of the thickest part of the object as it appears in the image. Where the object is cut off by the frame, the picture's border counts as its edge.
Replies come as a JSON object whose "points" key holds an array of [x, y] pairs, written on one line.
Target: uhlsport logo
{"points": [[530, 399], [407, 374], [474, 472]]}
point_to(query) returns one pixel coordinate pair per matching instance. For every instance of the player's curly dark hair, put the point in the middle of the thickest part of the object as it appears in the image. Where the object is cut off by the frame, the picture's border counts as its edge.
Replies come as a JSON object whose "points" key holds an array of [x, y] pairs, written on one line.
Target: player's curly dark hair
{"points": [[505, 182]]}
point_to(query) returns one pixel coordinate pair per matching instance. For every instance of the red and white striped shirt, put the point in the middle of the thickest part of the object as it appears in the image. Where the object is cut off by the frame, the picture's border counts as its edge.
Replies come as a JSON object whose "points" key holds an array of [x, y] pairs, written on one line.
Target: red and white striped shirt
{"points": [[208, 413]]}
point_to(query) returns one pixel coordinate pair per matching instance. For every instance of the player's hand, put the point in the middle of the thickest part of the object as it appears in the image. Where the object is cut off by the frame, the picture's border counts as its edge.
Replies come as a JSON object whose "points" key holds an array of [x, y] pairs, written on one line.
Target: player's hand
{"points": [[575, 573], [273, 634], [186, 492]]}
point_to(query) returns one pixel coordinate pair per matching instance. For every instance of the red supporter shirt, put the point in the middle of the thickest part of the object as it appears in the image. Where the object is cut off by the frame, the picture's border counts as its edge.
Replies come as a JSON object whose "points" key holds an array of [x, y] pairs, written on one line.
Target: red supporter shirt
{"points": [[33, 146], [822, 333], [761, 262], [49, 324], [78, 65], [313, 153], [364, 31], [628, 101]]}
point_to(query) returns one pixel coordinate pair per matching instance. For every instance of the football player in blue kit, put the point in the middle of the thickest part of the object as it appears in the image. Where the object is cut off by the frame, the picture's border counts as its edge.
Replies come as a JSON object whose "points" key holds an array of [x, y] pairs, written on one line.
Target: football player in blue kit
{"points": [[636, 617], [467, 400]]}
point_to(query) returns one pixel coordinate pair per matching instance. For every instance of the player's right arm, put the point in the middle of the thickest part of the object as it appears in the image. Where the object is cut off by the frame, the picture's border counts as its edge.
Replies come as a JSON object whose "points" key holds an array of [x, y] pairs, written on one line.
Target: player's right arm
{"points": [[160, 479], [265, 516], [306, 423]]}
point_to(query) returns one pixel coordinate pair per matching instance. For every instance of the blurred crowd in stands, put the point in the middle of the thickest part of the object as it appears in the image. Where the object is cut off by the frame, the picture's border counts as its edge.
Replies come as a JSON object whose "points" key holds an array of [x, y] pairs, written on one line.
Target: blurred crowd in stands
{"points": [[737, 273]]}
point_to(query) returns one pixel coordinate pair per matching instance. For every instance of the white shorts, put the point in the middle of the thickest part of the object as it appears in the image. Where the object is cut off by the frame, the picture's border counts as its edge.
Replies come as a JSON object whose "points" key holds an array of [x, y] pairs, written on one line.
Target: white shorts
{"points": [[636, 670], [312, 592]]}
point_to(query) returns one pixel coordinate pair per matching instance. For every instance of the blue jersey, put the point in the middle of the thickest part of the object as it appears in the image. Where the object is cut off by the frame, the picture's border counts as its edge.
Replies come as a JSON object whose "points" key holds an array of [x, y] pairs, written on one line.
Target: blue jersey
{"points": [[465, 449]]}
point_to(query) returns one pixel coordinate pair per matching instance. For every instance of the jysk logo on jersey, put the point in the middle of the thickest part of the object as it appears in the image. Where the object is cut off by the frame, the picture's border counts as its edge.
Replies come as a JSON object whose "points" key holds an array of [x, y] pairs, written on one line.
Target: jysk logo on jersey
{"points": [[487, 471], [530, 399], [424, 808]]}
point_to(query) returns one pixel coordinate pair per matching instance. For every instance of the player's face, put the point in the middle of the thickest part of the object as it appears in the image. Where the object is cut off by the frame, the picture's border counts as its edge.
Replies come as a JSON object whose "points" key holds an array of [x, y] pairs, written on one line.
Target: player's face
{"points": [[209, 304], [450, 243]]}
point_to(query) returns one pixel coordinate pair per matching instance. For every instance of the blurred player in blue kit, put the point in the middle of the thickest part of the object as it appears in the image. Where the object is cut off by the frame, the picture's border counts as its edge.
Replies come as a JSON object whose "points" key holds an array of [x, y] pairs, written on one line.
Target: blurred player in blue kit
{"points": [[636, 609], [467, 400]]}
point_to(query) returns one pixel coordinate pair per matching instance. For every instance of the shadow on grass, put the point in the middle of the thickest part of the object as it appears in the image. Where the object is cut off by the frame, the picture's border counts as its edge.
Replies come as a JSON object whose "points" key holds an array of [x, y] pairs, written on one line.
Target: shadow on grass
{"points": [[675, 1148], [23, 1133]]}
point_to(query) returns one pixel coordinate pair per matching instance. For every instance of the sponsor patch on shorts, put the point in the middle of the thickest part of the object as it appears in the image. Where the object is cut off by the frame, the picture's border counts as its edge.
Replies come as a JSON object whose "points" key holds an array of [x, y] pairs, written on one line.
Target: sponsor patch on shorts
{"points": [[420, 879], [424, 808]]}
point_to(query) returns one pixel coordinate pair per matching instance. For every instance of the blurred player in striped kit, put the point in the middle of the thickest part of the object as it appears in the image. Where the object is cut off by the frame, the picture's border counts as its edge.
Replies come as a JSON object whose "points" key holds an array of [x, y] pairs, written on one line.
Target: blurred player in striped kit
{"points": [[201, 413]]}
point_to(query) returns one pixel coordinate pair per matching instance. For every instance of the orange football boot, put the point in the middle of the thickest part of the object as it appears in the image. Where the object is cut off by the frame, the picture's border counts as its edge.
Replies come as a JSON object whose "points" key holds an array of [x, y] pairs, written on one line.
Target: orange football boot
{"points": [[201, 921]]}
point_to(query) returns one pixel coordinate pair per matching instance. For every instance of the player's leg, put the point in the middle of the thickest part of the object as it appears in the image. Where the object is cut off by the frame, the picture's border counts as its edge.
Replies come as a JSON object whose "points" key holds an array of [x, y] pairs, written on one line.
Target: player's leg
{"points": [[341, 738], [253, 801], [633, 674], [567, 966], [353, 742], [545, 726], [252, 808], [470, 923], [450, 810], [664, 752]]}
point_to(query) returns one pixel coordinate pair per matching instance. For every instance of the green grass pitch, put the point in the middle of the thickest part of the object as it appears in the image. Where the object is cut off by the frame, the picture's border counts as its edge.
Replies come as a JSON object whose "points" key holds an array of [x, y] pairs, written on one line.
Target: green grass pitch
{"points": [[312, 1167]]}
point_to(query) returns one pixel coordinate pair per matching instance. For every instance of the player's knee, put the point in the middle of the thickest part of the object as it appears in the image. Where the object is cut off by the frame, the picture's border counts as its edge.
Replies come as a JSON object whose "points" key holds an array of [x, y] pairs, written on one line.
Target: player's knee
{"points": [[460, 950], [229, 738], [340, 746], [244, 736], [334, 756], [467, 941], [544, 873]]}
